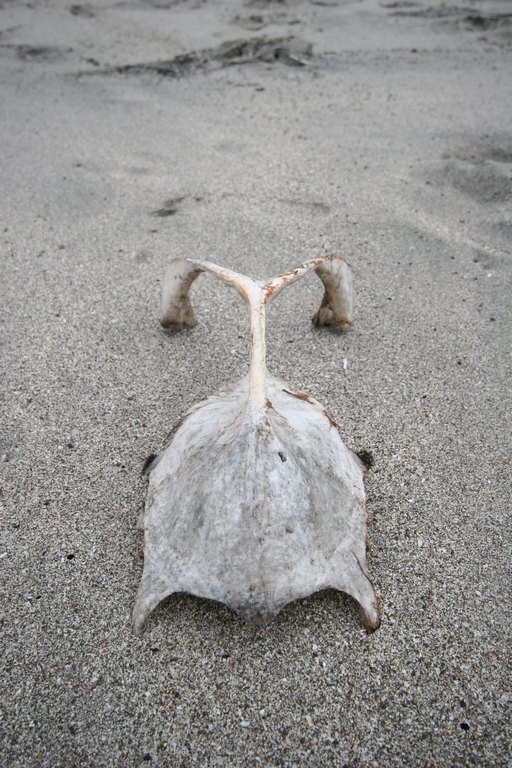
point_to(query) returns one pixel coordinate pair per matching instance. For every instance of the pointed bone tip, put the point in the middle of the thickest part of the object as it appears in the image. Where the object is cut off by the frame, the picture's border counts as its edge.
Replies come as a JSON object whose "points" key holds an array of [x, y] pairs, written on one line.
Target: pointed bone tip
{"points": [[138, 619], [138, 626], [141, 611], [370, 618]]}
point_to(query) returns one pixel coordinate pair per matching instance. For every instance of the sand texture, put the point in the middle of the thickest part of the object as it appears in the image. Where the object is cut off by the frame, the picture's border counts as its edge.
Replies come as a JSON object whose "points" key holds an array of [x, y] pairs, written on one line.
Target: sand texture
{"points": [[257, 135]]}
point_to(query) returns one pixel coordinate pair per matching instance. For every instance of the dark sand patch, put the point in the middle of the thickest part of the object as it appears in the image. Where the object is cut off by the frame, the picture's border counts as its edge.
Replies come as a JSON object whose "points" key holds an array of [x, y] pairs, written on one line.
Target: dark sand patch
{"points": [[284, 50]]}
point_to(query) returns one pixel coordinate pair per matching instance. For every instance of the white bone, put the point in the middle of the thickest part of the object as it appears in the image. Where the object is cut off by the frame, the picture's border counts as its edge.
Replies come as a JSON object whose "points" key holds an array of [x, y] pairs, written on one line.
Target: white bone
{"points": [[256, 501]]}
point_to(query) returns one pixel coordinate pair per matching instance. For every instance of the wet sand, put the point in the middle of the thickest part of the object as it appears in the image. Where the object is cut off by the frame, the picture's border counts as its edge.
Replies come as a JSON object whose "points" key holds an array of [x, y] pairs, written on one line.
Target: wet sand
{"points": [[257, 135]]}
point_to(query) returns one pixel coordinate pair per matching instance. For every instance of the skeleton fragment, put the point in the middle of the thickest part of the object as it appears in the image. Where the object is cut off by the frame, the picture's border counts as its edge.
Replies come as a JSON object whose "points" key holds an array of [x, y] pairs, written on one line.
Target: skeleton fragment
{"points": [[256, 501]]}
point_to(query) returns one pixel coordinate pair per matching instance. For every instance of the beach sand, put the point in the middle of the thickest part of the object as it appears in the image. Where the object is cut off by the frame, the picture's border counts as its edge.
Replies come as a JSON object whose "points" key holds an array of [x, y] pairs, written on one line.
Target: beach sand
{"points": [[257, 135]]}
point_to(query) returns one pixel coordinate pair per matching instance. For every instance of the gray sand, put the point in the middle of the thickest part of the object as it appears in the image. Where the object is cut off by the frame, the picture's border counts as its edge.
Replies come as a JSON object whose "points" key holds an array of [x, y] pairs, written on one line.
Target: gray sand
{"points": [[392, 145]]}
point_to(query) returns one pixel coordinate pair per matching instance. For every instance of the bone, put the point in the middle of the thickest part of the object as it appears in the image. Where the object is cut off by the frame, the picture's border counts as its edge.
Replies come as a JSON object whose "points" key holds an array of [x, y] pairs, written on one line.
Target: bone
{"points": [[256, 501]]}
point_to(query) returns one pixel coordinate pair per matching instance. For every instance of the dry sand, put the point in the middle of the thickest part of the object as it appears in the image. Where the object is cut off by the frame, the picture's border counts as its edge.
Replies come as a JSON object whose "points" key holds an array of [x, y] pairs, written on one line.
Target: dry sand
{"points": [[130, 135]]}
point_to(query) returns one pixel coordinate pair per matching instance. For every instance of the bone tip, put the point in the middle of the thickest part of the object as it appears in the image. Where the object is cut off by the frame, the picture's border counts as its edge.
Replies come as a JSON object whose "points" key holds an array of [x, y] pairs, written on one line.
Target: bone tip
{"points": [[139, 619], [370, 618]]}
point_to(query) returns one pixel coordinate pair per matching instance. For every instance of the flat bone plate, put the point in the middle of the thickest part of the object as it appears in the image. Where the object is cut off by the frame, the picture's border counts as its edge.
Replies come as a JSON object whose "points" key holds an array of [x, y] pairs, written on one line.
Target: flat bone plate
{"points": [[256, 514]]}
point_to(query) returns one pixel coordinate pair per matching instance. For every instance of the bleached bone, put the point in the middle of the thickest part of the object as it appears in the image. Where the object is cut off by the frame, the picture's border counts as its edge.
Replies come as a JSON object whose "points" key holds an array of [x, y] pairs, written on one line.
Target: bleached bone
{"points": [[256, 501]]}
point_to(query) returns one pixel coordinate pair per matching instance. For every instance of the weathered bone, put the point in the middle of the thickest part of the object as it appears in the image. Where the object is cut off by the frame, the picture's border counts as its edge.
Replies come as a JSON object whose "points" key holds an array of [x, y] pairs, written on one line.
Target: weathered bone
{"points": [[256, 501]]}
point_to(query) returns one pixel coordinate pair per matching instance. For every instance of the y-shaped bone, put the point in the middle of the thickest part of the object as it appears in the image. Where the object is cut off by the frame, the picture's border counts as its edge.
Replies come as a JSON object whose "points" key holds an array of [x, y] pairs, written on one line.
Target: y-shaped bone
{"points": [[335, 309]]}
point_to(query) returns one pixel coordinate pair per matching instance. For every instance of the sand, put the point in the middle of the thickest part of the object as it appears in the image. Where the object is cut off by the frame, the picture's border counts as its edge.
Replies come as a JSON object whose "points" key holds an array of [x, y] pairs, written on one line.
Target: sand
{"points": [[132, 133]]}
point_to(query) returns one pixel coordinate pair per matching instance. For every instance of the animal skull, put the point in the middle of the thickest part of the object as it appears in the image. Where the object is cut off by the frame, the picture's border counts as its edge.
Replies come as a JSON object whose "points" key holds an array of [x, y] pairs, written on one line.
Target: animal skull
{"points": [[256, 501]]}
